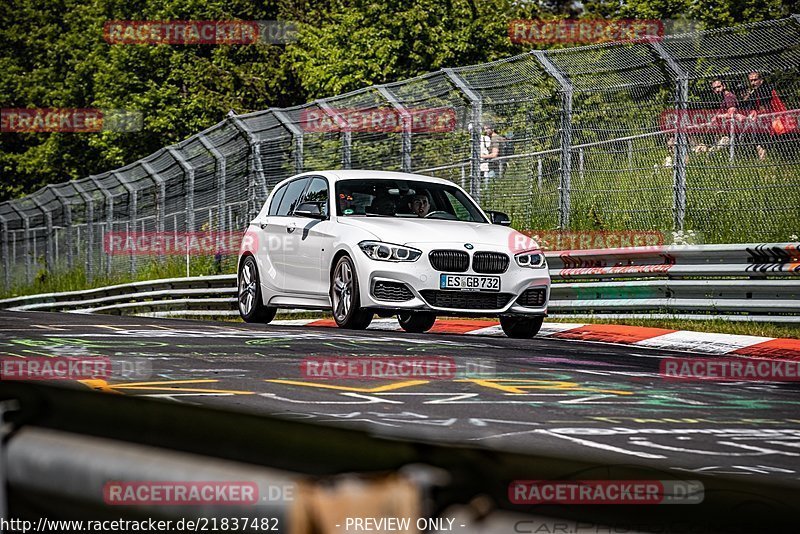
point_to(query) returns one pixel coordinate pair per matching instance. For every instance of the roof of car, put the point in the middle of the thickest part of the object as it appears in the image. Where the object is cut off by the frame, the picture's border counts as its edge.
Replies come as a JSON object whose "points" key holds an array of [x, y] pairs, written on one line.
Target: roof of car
{"points": [[362, 174]]}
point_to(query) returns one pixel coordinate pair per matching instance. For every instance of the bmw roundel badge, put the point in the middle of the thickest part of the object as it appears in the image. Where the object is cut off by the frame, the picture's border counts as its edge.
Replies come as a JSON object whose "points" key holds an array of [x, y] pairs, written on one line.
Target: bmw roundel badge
{"points": [[468, 246]]}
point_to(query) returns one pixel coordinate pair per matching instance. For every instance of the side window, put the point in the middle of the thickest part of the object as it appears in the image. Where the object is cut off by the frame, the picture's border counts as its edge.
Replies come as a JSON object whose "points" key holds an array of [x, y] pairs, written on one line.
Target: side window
{"points": [[317, 193], [291, 198], [457, 208], [276, 200]]}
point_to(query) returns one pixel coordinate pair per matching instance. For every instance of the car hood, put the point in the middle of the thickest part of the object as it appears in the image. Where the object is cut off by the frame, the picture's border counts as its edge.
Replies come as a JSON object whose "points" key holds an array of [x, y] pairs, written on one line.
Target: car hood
{"points": [[404, 231]]}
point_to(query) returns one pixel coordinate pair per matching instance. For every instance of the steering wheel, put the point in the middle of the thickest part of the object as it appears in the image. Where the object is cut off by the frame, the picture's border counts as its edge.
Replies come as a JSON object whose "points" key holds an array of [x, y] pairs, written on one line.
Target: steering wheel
{"points": [[447, 215]]}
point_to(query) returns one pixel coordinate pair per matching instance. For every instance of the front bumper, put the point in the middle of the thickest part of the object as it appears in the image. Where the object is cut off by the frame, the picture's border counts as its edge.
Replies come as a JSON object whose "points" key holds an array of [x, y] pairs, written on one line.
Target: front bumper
{"points": [[422, 282]]}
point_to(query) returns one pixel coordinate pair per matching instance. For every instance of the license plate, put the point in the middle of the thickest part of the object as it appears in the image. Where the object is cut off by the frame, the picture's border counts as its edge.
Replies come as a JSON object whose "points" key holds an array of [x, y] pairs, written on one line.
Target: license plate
{"points": [[467, 282]]}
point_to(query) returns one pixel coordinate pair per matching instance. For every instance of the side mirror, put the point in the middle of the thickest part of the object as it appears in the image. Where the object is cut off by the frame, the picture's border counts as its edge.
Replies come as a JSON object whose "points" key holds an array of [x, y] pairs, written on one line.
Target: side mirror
{"points": [[498, 217], [310, 210]]}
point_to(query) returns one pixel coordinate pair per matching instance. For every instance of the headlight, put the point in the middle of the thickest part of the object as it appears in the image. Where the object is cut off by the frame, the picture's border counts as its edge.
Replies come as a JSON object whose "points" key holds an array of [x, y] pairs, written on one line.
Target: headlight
{"points": [[534, 260], [380, 251]]}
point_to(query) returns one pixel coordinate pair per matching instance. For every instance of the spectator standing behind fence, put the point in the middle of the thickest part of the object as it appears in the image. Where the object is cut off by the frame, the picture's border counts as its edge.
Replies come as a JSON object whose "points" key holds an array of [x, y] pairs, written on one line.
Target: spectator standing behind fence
{"points": [[728, 111], [490, 150], [761, 98]]}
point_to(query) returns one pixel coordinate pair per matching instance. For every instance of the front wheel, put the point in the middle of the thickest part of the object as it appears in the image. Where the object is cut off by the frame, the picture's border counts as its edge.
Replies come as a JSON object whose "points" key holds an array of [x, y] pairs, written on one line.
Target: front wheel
{"points": [[520, 327], [251, 306], [416, 322], [345, 297]]}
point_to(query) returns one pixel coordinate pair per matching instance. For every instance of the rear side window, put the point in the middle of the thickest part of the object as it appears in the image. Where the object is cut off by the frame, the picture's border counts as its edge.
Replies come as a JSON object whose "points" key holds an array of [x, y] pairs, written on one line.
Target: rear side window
{"points": [[276, 200], [291, 198]]}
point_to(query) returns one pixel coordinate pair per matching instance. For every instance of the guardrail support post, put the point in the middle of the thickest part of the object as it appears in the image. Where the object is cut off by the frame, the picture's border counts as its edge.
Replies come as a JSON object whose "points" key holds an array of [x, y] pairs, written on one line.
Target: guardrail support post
{"points": [[681, 139], [476, 103], [221, 178], [347, 135], [188, 171], [405, 117], [256, 182], [297, 138], [566, 136]]}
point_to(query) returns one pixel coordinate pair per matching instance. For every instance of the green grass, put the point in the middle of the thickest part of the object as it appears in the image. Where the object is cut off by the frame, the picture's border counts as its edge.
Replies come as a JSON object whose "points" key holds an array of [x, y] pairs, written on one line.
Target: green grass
{"points": [[147, 269], [744, 201]]}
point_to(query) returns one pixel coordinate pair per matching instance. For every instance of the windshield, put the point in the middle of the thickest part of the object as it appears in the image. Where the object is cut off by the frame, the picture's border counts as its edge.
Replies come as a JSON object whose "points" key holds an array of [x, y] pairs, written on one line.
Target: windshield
{"points": [[404, 198]]}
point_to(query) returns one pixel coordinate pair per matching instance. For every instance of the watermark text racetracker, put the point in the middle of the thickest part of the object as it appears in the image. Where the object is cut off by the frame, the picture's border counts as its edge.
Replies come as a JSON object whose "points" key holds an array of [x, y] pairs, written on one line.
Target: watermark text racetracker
{"points": [[208, 243], [573, 240], [76, 367], [69, 120], [625, 492], [726, 369], [582, 31], [379, 120], [197, 32], [395, 368]]}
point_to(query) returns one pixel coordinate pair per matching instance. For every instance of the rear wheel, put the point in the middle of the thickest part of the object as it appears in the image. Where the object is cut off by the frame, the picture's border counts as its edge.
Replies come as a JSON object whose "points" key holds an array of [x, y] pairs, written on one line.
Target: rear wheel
{"points": [[416, 322], [251, 306], [520, 327], [345, 297]]}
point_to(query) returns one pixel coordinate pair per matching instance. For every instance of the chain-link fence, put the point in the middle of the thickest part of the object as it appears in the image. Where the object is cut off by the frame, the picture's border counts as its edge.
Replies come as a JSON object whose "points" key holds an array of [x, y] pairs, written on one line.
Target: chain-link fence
{"points": [[584, 144]]}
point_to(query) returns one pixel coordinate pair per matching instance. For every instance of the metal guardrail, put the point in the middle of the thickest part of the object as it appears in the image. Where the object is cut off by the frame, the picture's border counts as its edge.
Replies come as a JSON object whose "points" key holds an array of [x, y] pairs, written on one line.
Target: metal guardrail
{"points": [[758, 281]]}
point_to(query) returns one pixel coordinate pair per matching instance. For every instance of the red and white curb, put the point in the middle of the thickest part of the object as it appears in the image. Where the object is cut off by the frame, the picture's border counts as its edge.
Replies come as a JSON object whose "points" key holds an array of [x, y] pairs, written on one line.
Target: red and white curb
{"points": [[658, 338]]}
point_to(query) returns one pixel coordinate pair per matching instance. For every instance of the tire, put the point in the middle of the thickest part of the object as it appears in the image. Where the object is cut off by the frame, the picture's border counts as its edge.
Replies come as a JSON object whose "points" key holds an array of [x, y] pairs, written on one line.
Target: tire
{"points": [[345, 297], [520, 327], [250, 304], [416, 322]]}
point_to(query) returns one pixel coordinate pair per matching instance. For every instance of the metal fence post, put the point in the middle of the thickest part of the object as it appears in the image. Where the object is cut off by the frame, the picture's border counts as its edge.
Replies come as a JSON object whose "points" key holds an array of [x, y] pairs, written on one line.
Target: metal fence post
{"points": [[221, 177], [26, 225], [681, 139], [188, 171], [67, 207], [160, 196], [109, 218], [566, 136], [347, 135], [48, 222], [297, 137], [89, 231], [732, 142], [476, 103], [6, 262], [132, 212], [405, 117], [257, 183]]}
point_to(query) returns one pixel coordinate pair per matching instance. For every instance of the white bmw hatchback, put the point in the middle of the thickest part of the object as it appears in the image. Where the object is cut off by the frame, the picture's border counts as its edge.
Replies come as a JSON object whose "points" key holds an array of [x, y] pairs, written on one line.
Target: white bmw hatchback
{"points": [[363, 242]]}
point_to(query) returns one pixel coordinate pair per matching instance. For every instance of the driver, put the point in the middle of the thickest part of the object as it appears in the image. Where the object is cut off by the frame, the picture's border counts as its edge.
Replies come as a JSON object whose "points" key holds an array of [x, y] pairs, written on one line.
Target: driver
{"points": [[420, 205]]}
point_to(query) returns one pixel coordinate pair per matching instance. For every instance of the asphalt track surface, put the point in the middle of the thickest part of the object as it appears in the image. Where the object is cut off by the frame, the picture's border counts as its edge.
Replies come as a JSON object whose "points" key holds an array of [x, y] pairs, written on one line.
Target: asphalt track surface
{"points": [[596, 401]]}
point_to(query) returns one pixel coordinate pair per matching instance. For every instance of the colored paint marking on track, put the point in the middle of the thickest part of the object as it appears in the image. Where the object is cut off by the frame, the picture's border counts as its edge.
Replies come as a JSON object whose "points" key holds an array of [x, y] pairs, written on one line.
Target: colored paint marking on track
{"points": [[612, 333], [376, 389], [521, 386], [168, 385], [783, 348]]}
